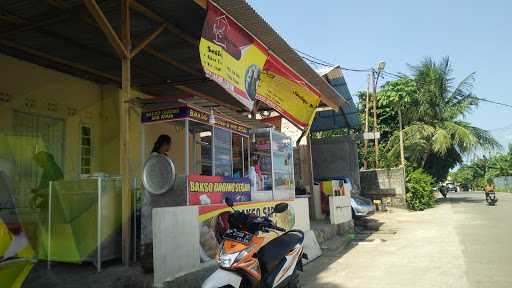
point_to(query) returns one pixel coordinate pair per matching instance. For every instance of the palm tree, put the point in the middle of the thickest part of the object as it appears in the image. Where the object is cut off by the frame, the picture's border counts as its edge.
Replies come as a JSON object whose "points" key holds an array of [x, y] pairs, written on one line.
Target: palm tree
{"points": [[434, 127]]}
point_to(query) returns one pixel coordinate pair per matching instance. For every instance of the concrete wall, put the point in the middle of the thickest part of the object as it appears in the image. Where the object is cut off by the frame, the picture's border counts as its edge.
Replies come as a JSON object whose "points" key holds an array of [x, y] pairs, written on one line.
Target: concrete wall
{"points": [[176, 242], [301, 208], [384, 184], [336, 156], [340, 209]]}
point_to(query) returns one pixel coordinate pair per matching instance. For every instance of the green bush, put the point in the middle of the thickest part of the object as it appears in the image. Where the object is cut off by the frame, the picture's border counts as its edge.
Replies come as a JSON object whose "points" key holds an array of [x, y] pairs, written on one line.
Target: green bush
{"points": [[418, 186]]}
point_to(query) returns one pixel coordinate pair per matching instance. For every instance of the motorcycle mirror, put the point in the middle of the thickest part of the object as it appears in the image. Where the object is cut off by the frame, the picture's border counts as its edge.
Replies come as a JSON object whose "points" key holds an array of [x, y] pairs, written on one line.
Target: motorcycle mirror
{"points": [[229, 202], [280, 207]]}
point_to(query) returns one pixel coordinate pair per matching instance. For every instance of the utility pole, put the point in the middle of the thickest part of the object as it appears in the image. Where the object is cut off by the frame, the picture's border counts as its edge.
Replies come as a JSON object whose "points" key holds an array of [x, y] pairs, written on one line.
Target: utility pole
{"points": [[375, 80], [402, 156], [375, 123], [365, 162]]}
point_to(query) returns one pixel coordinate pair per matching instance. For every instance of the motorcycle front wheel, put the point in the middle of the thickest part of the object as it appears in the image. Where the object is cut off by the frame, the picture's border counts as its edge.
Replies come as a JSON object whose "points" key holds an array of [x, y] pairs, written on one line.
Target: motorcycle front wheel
{"points": [[295, 280]]}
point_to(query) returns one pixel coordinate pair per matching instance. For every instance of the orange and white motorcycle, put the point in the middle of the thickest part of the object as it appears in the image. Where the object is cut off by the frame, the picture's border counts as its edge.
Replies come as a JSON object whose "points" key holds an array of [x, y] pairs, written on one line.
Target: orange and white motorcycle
{"points": [[254, 252]]}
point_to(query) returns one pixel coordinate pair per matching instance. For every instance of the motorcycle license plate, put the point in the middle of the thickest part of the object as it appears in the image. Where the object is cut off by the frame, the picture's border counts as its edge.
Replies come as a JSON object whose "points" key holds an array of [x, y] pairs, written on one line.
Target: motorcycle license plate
{"points": [[238, 236]]}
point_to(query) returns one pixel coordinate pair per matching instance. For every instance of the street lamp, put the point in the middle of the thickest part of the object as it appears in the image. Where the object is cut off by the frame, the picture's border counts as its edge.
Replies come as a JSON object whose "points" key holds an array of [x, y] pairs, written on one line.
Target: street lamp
{"points": [[380, 66]]}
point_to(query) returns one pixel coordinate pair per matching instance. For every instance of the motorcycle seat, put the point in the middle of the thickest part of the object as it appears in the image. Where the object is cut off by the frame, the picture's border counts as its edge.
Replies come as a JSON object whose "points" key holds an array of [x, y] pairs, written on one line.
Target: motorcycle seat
{"points": [[276, 249]]}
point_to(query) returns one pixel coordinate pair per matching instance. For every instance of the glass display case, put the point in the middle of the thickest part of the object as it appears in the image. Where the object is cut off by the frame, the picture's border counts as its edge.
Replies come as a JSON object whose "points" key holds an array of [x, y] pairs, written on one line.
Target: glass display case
{"points": [[271, 171]]}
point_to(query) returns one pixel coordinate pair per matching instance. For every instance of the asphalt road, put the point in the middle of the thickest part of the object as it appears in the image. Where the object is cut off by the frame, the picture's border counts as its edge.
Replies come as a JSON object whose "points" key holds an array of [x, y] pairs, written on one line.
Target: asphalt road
{"points": [[461, 242], [485, 233]]}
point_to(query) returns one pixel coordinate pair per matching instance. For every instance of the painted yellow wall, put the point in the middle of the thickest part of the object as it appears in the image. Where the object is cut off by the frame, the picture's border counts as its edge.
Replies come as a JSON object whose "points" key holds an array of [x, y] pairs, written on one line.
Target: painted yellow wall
{"points": [[40, 91]]}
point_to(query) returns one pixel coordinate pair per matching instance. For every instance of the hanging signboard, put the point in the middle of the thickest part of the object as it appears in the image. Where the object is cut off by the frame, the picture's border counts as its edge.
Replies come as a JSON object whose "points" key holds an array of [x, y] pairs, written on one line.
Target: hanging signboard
{"points": [[164, 114], [206, 190], [179, 113], [231, 56], [371, 135], [282, 89], [244, 67]]}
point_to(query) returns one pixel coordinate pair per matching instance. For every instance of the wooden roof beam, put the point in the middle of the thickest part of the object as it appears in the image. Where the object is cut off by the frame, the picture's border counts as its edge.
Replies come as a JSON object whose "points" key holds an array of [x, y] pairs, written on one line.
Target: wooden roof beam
{"points": [[146, 41], [171, 61], [57, 60], [35, 25], [105, 26], [171, 28]]}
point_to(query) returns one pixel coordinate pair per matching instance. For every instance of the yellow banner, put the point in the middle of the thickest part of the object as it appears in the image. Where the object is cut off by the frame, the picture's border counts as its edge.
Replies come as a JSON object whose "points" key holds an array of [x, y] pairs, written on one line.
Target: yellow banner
{"points": [[288, 97]]}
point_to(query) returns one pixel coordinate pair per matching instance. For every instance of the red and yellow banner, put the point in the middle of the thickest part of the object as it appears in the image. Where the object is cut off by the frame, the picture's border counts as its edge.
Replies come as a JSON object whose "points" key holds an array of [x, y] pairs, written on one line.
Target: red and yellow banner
{"points": [[206, 190], [244, 67], [231, 56]]}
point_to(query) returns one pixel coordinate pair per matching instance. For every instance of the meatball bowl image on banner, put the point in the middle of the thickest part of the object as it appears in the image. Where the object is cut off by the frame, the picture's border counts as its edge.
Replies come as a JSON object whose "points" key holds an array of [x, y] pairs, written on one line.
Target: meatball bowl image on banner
{"points": [[230, 56], [213, 222]]}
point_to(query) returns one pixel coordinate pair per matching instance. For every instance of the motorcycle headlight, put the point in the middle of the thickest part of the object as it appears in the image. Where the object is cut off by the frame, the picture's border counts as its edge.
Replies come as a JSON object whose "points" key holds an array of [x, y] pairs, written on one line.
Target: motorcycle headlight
{"points": [[226, 260]]}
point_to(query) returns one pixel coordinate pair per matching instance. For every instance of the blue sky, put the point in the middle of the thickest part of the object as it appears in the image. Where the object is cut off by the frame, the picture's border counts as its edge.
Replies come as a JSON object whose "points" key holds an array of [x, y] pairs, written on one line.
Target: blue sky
{"points": [[477, 35]]}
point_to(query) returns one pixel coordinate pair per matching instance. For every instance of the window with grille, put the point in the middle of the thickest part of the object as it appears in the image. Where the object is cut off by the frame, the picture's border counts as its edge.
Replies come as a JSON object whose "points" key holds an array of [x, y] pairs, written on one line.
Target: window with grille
{"points": [[86, 150]]}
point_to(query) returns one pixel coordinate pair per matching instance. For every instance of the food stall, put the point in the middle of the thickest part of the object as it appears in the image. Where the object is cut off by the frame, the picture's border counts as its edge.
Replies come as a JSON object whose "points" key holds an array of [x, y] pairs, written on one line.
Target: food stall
{"points": [[214, 157], [209, 153]]}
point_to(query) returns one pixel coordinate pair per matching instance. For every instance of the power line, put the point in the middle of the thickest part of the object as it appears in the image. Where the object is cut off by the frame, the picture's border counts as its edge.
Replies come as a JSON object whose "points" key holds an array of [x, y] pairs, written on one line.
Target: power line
{"points": [[313, 57], [397, 76], [319, 61], [494, 102]]}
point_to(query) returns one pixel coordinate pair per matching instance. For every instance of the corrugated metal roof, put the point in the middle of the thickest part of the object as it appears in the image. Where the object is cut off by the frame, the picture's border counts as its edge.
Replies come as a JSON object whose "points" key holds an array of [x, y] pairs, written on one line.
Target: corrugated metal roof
{"points": [[65, 30], [348, 116], [256, 25]]}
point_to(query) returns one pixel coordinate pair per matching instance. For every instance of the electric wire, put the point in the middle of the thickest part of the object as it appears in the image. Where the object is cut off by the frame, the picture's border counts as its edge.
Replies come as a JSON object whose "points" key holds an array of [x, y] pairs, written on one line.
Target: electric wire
{"points": [[318, 61]]}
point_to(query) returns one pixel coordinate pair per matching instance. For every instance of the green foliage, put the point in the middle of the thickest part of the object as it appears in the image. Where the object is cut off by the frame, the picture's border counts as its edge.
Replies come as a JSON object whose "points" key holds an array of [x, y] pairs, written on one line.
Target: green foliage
{"points": [[463, 175], [433, 106], [419, 193], [482, 168]]}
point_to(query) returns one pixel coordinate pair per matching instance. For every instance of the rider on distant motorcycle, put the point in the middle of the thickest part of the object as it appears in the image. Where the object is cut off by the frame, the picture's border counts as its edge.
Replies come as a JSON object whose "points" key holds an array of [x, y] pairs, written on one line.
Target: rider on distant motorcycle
{"points": [[489, 188]]}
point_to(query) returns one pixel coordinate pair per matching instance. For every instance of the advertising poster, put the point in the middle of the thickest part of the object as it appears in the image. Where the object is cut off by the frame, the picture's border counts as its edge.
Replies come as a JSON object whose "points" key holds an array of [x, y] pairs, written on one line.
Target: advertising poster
{"points": [[213, 222], [260, 170], [230, 56], [243, 66], [206, 190], [282, 89], [282, 151]]}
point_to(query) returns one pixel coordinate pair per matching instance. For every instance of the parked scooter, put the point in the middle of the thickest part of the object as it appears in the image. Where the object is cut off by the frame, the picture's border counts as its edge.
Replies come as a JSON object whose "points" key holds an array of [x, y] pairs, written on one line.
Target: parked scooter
{"points": [[254, 252]]}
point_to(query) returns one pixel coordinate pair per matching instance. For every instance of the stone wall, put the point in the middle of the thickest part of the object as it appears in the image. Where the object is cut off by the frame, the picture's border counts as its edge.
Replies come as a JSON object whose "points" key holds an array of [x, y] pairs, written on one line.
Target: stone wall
{"points": [[387, 185]]}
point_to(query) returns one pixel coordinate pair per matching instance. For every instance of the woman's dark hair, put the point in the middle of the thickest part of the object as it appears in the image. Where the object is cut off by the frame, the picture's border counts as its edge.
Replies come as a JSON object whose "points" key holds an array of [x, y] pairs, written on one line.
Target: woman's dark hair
{"points": [[160, 141]]}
